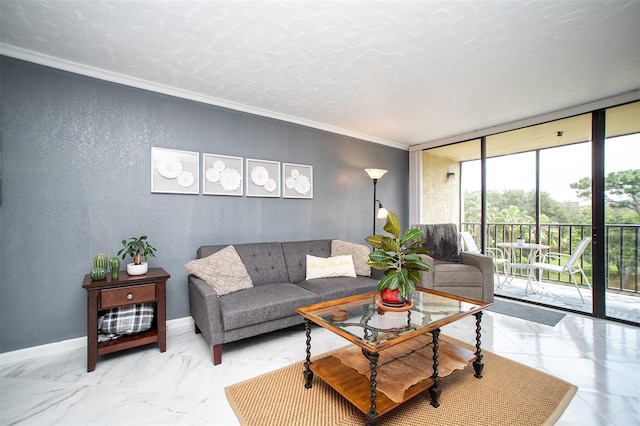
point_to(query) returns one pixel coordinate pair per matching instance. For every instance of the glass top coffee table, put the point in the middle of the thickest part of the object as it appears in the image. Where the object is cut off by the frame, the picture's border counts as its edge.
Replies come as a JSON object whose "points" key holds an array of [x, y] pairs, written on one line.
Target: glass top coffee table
{"points": [[378, 330]]}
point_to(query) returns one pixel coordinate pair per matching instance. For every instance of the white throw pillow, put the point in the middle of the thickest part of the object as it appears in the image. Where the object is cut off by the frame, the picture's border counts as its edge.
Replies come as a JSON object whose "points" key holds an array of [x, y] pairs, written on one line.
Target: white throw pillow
{"points": [[223, 270], [337, 266], [358, 252]]}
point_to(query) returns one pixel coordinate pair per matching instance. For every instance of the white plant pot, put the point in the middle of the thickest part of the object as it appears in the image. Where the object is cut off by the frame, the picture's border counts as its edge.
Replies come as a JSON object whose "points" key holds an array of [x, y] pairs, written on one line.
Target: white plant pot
{"points": [[520, 241], [133, 269]]}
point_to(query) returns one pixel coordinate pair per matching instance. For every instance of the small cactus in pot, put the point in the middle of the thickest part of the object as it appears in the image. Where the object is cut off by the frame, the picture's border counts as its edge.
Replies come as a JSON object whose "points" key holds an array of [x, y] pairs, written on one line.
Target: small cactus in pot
{"points": [[100, 261], [114, 267]]}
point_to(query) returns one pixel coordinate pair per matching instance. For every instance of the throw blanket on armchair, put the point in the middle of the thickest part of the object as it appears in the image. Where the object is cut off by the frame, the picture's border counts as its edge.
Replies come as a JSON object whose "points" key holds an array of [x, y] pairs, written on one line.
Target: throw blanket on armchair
{"points": [[442, 241]]}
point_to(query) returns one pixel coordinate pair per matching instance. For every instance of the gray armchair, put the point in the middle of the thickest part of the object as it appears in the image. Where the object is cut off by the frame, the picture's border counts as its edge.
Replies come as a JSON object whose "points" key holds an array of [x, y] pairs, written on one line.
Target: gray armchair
{"points": [[461, 273]]}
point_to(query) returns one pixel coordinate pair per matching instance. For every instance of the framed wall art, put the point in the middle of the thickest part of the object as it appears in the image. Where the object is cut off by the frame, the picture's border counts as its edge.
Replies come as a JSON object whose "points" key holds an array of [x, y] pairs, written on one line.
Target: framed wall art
{"points": [[263, 178], [298, 181], [222, 175], [174, 171]]}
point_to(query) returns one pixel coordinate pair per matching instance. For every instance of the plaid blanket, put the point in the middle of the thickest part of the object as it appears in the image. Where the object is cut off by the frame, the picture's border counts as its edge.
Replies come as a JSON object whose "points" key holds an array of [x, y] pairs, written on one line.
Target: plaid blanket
{"points": [[127, 319]]}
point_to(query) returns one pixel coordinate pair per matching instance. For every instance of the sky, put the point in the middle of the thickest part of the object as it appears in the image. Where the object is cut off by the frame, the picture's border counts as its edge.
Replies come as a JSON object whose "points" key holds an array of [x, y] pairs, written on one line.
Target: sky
{"points": [[559, 167]]}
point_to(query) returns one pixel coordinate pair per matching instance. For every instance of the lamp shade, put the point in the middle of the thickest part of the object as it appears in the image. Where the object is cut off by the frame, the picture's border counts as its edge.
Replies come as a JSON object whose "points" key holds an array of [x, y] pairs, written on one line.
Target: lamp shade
{"points": [[382, 213], [375, 173]]}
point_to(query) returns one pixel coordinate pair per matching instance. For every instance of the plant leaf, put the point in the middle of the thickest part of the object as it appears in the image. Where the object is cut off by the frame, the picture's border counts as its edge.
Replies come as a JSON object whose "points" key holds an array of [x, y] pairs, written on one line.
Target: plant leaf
{"points": [[380, 256], [389, 281], [406, 286], [411, 234], [414, 276], [381, 260], [392, 225], [390, 244], [411, 257], [375, 241], [417, 249], [420, 265]]}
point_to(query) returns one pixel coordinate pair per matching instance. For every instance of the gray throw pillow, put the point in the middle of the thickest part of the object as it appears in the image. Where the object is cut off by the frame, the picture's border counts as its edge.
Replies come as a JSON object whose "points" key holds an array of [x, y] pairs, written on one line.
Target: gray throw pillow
{"points": [[223, 270], [359, 253]]}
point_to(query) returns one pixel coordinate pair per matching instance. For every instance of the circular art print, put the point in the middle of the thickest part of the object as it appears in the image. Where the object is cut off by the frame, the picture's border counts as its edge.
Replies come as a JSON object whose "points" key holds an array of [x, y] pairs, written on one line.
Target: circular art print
{"points": [[230, 179], [169, 166], [259, 175]]}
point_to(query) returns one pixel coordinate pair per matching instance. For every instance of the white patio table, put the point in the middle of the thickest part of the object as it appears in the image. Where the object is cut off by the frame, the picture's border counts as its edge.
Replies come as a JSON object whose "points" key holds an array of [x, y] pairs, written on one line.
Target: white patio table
{"points": [[534, 251]]}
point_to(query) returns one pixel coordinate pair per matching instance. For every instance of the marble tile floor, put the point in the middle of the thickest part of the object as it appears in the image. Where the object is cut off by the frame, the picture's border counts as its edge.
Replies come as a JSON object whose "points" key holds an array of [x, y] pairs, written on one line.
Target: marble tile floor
{"points": [[181, 386], [624, 306]]}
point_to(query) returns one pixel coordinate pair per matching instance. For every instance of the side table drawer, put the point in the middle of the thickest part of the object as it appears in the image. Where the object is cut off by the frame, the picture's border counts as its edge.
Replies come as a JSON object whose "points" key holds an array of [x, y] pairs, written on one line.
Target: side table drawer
{"points": [[127, 296]]}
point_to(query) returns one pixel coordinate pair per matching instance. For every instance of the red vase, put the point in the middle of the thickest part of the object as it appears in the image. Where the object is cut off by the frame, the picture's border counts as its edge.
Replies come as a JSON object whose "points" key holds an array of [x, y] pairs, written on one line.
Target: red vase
{"points": [[392, 298]]}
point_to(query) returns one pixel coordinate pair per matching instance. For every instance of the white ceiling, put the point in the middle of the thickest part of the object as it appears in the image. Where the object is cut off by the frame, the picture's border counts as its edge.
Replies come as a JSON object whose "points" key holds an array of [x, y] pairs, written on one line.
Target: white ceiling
{"points": [[399, 73]]}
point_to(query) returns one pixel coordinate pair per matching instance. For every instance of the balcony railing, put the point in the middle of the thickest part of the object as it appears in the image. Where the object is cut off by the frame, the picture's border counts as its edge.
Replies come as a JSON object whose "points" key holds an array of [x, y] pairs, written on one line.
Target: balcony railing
{"points": [[623, 247]]}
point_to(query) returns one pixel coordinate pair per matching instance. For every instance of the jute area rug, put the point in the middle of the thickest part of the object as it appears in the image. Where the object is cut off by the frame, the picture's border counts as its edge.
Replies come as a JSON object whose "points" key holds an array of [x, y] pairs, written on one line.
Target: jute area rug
{"points": [[509, 394]]}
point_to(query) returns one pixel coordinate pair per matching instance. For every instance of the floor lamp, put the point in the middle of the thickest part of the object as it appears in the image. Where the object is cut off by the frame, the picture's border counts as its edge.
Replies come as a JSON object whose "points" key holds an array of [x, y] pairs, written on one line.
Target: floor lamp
{"points": [[376, 174]]}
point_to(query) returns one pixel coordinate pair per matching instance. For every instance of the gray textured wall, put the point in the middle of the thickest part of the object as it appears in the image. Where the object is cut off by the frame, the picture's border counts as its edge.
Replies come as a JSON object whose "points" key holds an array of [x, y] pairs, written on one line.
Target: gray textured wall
{"points": [[76, 181]]}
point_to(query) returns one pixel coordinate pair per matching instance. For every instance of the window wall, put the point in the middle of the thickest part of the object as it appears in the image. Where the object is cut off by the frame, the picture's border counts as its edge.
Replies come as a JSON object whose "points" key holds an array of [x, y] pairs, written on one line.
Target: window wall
{"points": [[537, 184]]}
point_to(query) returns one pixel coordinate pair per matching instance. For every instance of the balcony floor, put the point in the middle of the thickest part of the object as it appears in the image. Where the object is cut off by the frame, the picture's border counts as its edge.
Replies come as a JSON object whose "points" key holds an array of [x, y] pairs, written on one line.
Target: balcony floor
{"points": [[620, 306]]}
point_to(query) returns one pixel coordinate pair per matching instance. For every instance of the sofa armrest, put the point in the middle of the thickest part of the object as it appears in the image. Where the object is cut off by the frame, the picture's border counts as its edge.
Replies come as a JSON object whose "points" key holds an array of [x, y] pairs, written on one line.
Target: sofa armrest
{"points": [[426, 276], [485, 264], [204, 304]]}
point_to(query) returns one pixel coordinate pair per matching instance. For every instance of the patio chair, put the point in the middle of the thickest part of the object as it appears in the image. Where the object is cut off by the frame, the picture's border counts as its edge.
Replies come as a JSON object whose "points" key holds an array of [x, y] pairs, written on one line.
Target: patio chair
{"points": [[563, 263], [500, 262]]}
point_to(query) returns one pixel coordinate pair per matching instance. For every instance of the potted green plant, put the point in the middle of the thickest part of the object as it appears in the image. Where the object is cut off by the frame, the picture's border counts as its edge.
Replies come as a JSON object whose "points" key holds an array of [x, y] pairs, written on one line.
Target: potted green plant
{"points": [[399, 257], [138, 249]]}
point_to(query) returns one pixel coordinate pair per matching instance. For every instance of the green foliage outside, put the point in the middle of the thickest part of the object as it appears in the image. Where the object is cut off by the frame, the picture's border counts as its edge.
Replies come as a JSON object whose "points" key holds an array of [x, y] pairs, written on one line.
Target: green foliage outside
{"points": [[516, 206]]}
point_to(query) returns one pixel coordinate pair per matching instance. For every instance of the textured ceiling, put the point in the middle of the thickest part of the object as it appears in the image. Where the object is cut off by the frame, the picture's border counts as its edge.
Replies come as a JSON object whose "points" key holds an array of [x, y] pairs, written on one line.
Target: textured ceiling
{"points": [[399, 73]]}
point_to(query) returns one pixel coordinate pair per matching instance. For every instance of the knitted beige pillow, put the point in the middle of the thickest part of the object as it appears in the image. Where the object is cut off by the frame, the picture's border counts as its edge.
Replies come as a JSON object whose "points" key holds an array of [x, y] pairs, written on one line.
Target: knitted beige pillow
{"points": [[358, 252], [223, 270]]}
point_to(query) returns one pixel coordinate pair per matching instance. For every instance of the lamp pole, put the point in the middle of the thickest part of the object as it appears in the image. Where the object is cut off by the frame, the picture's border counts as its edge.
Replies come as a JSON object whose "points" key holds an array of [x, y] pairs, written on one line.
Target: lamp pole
{"points": [[375, 181], [375, 174]]}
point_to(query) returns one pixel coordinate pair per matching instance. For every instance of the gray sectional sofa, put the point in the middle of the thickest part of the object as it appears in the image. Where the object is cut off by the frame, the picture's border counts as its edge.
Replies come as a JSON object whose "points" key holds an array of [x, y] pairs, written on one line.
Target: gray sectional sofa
{"points": [[279, 285]]}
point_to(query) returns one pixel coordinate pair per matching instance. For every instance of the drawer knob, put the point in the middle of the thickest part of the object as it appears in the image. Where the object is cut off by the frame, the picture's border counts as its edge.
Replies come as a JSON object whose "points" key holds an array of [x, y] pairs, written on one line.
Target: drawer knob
{"points": [[129, 296]]}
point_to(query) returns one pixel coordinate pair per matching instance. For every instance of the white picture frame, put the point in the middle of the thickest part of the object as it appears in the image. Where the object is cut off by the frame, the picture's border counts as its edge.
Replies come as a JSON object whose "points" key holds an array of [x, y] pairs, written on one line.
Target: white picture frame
{"points": [[297, 181], [222, 175], [174, 171], [263, 178]]}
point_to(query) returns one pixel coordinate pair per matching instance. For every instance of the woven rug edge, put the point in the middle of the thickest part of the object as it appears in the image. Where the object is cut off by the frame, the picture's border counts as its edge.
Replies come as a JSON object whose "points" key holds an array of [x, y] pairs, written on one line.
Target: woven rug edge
{"points": [[562, 405], [234, 406]]}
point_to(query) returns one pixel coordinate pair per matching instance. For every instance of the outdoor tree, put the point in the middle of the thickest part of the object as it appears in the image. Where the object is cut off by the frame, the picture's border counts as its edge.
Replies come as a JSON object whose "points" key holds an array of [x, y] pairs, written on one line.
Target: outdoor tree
{"points": [[622, 193], [622, 189], [499, 207]]}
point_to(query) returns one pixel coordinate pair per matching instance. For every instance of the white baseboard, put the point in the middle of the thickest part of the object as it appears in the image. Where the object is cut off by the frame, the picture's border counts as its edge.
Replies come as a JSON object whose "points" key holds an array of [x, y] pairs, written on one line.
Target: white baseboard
{"points": [[70, 345]]}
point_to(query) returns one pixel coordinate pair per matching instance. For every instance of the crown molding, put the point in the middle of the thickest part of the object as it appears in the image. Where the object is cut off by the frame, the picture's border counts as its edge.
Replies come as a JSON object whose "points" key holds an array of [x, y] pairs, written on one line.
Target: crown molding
{"points": [[101, 74]]}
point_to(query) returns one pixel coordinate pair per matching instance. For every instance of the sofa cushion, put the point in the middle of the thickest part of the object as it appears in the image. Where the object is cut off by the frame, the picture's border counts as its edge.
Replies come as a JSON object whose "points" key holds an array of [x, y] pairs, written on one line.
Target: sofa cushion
{"points": [[262, 303], [264, 262], [359, 253], [456, 275], [222, 270], [326, 267], [295, 256], [441, 240], [334, 288]]}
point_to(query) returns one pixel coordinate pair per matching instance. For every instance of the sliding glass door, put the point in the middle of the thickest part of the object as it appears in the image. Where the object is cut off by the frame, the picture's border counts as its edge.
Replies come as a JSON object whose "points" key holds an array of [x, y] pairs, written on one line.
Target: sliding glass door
{"points": [[622, 212]]}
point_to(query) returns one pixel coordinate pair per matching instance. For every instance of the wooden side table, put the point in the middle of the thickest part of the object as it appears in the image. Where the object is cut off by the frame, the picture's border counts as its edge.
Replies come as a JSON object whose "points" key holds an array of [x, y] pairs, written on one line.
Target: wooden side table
{"points": [[126, 290]]}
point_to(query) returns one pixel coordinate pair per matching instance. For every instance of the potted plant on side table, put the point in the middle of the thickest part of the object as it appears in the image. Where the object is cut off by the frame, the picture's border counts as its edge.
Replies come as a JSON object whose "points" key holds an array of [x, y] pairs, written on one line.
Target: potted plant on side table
{"points": [[401, 263], [138, 249]]}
